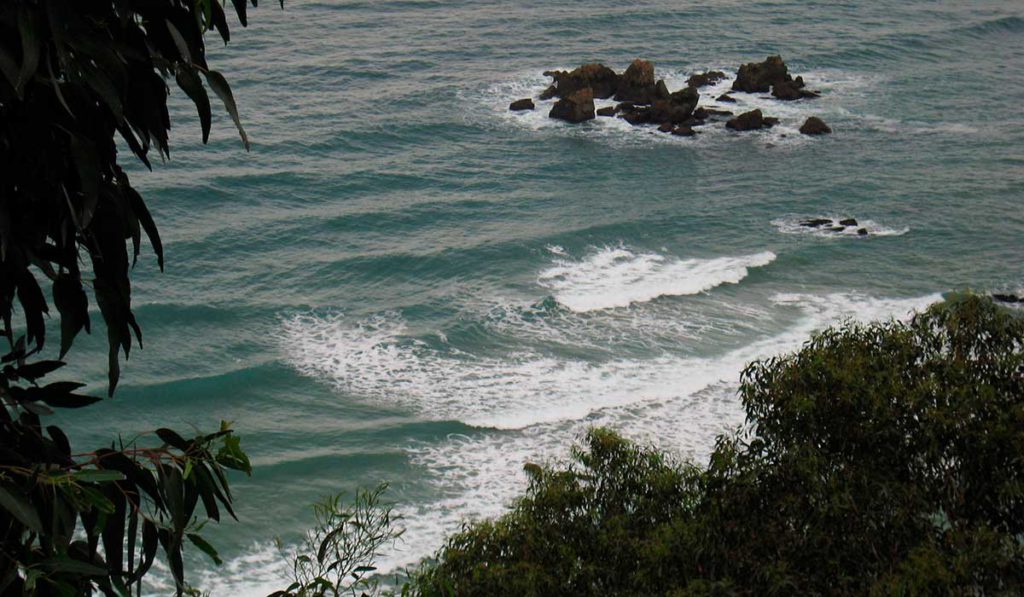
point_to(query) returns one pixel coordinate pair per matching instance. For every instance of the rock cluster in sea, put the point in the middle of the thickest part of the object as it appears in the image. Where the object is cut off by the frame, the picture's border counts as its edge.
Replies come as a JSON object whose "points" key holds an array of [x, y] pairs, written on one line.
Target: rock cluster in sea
{"points": [[646, 101], [831, 225]]}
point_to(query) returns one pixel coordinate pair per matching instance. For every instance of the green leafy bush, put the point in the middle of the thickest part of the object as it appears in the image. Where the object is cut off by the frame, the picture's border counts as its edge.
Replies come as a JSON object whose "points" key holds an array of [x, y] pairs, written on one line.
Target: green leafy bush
{"points": [[879, 459]]}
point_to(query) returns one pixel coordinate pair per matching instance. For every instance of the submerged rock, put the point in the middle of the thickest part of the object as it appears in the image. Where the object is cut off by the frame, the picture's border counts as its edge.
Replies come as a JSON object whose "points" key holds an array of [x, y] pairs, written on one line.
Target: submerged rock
{"points": [[577, 107], [815, 126], [757, 77], [708, 78], [1007, 298], [608, 111], [725, 97], [848, 222], [637, 83], [523, 104], [683, 131], [862, 231], [815, 222], [602, 81]]}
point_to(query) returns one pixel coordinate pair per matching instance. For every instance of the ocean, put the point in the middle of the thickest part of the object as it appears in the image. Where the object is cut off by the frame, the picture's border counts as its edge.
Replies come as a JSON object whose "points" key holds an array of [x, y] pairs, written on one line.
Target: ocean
{"points": [[405, 282]]}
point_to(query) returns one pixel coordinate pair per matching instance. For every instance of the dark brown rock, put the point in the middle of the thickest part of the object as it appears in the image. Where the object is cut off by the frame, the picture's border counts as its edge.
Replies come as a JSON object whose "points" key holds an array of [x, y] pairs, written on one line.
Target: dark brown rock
{"points": [[725, 97], [523, 104], [609, 111], [815, 126], [837, 228], [714, 112], [666, 127], [637, 115], [624, 106], [637, 83], [748, 121], [757, 77], [848, 222], [770, 121], [708, 78], [549, 93], [683, 131], [862, 232], [602, 80], [790, 90], [815, 222], [661, 90], [577, 107]]}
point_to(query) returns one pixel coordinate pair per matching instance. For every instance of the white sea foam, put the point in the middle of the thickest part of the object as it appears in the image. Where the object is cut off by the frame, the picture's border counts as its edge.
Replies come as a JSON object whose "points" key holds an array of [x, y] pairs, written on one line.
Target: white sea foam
{"points": [[793, 225], [617, 277]]}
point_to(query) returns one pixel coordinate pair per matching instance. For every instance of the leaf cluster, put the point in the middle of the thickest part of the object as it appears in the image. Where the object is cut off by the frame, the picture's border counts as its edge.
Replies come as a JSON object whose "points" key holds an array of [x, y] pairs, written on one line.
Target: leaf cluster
{"points": [[337, 556], [75, 77], [879, 459]]}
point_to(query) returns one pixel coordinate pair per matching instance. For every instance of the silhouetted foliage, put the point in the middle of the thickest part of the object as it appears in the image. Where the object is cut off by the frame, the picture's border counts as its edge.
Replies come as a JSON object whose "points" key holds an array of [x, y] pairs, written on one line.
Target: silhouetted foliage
{"points": [[74, 76], [879, 459]]}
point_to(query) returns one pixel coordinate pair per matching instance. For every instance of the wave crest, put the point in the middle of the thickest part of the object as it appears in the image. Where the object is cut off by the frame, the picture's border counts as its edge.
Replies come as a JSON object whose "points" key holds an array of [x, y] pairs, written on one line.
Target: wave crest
{"points": [[619, 277]]}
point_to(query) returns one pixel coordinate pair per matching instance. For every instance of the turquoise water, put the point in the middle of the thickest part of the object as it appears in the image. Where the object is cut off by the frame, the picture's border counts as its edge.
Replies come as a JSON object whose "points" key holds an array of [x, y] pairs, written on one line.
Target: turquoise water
{"points": [[405, 282]]}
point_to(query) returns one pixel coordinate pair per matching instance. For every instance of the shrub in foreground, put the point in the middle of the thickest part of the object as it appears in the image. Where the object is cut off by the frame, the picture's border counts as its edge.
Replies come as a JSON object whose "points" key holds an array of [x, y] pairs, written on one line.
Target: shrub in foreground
{"points": [[878, 459]]}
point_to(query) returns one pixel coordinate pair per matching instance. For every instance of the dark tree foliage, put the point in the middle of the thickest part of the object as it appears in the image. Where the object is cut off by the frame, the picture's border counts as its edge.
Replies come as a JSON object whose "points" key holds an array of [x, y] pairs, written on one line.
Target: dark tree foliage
{"points": [[76, 76], [885, 459]]}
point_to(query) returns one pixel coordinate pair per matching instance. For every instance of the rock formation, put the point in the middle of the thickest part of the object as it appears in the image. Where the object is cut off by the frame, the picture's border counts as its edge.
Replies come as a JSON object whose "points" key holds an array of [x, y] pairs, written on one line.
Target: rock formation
{"points": [[577, 107], [708, 78], [756, 77], [523, 104], [815, 126], [637, 83]]}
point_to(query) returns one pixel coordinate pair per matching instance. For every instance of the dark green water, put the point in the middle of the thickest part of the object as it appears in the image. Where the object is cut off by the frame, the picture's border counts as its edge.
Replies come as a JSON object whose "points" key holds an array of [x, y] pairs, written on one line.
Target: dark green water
{"points": [[405, 282]]}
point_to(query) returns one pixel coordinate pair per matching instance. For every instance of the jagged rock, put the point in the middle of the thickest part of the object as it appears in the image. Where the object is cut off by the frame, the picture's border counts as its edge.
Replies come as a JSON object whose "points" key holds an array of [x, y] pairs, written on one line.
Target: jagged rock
{"points": [[848, 222], [757, 77], [815, 222], [523, 104], [577, 107], [602, 80], [748, 121], [792, 90], [687, 95], [661, 90], [674, 110], [862, 232], [708, 78], [549, 93], [677, 109], [609, 111], [725, 97], [637, 115], [637, 83], [815, 126], [624, 107], [683, 131]]}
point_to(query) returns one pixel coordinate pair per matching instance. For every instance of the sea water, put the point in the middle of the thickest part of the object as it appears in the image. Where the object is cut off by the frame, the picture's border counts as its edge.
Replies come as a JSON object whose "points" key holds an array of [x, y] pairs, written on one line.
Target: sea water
{"points": [[403, 281]]}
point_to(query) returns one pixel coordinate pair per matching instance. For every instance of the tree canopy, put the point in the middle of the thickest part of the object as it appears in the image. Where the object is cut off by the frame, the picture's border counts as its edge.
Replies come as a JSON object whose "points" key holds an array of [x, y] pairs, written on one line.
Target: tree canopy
{"points": [[879, 459], [75, 78]]}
